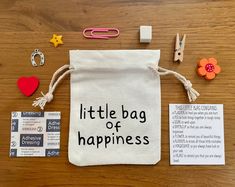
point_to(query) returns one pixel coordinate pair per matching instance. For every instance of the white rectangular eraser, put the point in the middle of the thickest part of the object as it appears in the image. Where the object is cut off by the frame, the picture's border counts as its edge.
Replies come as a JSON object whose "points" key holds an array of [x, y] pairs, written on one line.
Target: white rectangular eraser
{"points": [[145, 34]]}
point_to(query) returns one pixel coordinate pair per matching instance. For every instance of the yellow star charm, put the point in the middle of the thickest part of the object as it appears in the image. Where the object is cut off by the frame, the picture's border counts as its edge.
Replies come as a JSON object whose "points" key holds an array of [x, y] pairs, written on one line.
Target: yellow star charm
{"points": [[56, 40]]}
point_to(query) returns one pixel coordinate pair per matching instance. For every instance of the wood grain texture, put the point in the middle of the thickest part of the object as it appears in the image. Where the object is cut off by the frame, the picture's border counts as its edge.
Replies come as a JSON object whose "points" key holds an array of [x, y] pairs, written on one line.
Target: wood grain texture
{"points": [[29, 24]]}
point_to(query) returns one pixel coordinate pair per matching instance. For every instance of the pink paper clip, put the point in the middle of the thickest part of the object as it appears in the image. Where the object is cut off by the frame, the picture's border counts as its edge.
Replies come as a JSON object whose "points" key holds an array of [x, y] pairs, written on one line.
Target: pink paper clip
{"points": [[92, 34]]}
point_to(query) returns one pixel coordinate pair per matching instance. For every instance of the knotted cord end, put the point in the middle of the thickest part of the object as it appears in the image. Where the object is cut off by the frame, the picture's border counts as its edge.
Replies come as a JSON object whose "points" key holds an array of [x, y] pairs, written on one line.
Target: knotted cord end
{"points": [[41, 101], [192, 93], [55, 80]]}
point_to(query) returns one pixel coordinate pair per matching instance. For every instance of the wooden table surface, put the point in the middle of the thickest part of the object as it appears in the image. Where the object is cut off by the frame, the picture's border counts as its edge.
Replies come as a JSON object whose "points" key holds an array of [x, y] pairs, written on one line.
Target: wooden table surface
{"points": [[27, 24]]}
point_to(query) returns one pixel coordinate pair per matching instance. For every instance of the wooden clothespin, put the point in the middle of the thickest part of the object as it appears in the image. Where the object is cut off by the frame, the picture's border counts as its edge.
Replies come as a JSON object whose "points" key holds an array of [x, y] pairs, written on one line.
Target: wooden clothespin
{"points": [[179, 48]]}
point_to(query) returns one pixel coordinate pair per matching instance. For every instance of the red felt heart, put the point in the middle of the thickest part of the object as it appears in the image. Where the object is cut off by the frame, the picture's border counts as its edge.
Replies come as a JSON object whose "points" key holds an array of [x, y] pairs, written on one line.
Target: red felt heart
{"points": [[28, 85]]}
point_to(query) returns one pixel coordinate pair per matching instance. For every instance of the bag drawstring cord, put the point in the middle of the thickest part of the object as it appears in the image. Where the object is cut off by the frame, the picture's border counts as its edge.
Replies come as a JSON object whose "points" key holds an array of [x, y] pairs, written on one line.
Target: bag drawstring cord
{"points": [[191, 92], [67, 69], [48, 97]]}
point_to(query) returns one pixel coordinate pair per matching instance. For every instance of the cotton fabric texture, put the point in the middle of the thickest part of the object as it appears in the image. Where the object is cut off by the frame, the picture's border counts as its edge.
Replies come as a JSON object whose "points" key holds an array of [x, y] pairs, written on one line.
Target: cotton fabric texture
{"points": [[115, 78]]}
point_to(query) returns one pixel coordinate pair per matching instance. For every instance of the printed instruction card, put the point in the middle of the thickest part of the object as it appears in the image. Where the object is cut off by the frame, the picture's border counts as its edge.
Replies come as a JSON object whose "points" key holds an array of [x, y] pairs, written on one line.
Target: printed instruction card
{"points": [[196, 134], [35, 134]]}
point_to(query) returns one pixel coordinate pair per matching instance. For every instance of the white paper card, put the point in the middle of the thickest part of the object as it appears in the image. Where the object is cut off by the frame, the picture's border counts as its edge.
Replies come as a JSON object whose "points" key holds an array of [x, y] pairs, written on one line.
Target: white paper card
{"points": [[35, 134], [196, 134]]}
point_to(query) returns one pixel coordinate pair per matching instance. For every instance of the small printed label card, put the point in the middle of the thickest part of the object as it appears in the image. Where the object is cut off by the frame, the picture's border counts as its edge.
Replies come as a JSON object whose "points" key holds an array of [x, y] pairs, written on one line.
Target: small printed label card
{"points": [[196, 134], [35, 134]]}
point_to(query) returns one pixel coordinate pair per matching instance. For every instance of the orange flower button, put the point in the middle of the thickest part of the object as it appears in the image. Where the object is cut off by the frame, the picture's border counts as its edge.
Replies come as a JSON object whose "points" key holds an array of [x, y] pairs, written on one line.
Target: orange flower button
{"points": [[208, 68]]}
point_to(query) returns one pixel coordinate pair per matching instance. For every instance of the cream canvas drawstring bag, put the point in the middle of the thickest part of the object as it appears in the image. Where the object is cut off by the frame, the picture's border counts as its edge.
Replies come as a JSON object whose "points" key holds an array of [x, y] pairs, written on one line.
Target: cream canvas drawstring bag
{"points": [[115, 106]]}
